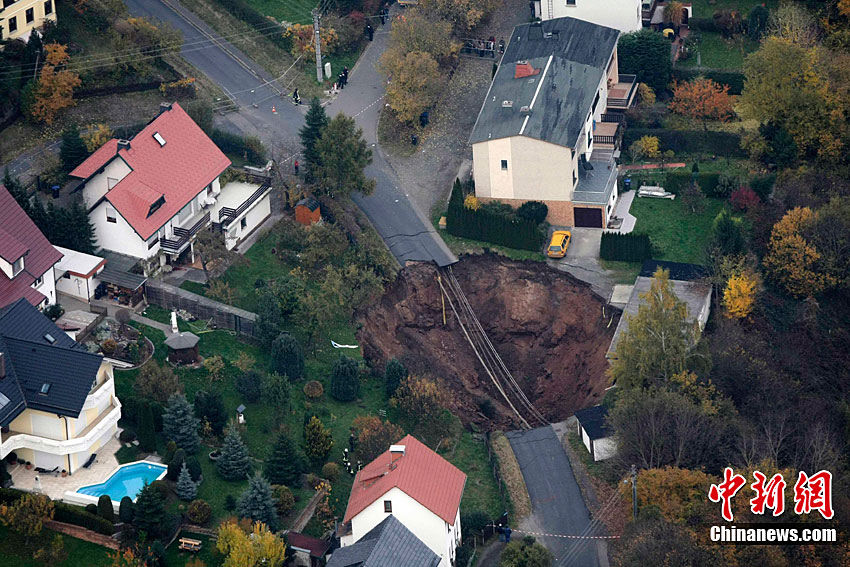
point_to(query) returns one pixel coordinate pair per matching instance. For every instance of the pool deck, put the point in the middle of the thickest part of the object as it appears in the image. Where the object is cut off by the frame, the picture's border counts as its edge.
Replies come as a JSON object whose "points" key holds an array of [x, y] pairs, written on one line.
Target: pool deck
{"points": [[55, 486]]}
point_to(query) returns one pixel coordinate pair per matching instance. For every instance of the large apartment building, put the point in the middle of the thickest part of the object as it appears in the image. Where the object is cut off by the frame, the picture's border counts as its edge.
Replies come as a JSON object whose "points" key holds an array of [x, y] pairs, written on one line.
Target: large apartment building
{"points": [[19, 17]]}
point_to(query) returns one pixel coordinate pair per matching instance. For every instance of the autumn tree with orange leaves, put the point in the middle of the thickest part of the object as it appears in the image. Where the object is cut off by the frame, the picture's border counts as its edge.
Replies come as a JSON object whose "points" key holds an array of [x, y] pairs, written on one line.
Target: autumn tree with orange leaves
{"points": [[791, 260], [739, 295], [54, 91], [702, 99]]}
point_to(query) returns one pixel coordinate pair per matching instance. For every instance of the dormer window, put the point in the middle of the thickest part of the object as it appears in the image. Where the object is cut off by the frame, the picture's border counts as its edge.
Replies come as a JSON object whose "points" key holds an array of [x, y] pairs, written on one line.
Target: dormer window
{"points": [[156, 205], [158, 137], [49, 338], [45, 388], [18, 266]]}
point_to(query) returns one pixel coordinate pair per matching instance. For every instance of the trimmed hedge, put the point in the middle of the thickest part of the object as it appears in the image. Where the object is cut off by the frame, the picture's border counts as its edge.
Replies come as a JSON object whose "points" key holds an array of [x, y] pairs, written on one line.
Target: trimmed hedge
{"points": [[251, 147], [498, 228], [629, 247], [703, 24], [79, 517], [734, 79], [690, 141]]}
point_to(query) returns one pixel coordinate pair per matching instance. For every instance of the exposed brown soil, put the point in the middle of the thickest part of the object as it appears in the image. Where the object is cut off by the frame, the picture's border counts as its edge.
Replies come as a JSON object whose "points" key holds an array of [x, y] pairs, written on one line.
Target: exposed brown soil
{"points": [[547, 326]]}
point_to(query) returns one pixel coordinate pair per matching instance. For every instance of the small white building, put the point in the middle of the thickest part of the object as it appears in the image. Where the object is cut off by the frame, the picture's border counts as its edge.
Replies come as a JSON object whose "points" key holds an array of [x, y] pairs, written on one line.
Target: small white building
{"points": [[57, 400], [76, 273], [415, 485], [624, 15], [595, 433], [149, 196]]}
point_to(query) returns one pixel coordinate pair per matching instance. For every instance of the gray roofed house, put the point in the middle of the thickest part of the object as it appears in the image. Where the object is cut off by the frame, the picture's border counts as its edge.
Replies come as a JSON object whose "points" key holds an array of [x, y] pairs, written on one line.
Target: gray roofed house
{"points": [[389, 544], [550, 125]]}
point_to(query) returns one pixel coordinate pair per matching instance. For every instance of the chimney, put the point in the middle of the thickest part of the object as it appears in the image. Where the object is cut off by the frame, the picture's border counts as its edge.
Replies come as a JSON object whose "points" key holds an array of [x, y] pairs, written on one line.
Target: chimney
{"points": [[123, 145], [2, 365], [164, 107], [396, 452]]}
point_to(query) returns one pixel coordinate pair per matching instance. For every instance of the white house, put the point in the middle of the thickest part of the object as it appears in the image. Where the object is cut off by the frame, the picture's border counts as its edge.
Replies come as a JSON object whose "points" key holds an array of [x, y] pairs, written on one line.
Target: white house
{"points": [[416, 486], [595, 433], [26, 257], [388, 544], [623, 15], [551, 122], [18, 18], [149, 196], [57, 400], [76, 273]]}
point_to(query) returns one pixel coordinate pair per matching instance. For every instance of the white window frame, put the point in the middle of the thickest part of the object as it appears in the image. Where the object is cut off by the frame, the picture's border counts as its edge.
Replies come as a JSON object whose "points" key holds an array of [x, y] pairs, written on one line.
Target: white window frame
{"points": [[17, 270]]}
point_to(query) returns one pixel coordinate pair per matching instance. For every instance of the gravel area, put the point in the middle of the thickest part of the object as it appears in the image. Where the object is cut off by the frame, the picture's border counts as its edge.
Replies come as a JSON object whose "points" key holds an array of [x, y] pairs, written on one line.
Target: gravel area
{"points": [[428, 174]]}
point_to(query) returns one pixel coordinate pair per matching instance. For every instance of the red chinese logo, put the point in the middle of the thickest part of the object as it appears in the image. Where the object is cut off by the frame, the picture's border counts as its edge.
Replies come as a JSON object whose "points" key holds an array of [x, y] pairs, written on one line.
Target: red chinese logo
{"points": [[814, 493], [731, 484], [770, 496]]}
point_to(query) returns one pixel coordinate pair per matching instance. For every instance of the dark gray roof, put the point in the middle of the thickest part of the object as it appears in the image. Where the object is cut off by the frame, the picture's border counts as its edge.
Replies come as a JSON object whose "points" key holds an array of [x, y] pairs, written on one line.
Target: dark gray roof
{"points": [[36, 352], [592, 420], [570, 57], [178, 341], [389, 544], [678, 270], [127, 280]]}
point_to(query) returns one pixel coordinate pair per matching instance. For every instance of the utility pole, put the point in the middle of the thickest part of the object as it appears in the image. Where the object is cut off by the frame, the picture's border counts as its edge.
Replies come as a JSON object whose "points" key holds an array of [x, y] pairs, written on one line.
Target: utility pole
{"points": [[634, 492], [315, 13]]}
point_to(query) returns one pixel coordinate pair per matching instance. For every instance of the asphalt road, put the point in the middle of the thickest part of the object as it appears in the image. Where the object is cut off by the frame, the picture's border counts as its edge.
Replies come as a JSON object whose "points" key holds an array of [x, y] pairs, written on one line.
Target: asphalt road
{"points": [[556, 500], [406, 230]]}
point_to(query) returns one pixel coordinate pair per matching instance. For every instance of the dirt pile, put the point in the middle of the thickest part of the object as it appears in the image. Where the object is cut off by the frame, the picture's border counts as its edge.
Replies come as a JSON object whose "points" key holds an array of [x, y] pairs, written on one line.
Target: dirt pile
{"points": [[546, 325]]}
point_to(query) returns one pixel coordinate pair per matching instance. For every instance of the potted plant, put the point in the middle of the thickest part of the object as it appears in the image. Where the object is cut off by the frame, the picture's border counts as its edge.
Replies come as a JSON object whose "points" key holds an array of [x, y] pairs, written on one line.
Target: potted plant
{"points": [[28, 465], [64, 473], [12, 458], [215, 454]]}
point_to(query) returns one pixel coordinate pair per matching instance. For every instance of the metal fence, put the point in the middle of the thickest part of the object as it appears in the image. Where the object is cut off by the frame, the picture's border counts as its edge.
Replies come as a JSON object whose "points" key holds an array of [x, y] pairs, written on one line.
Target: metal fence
{"points": [[218, 314]]}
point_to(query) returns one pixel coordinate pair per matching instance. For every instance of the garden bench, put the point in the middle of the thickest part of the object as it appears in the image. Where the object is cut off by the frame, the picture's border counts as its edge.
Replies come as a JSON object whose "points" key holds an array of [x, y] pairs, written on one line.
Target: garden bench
{"points": [[187, 544]]}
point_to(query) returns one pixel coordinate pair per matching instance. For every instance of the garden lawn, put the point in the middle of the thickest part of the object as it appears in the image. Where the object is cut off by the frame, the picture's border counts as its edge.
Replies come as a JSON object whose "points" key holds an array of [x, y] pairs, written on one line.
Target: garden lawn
{"points": [[676, 234], [292, 11], [716, 52], [481, 491], [80, 553], [707, 8], [208, 553], [460, 245]]}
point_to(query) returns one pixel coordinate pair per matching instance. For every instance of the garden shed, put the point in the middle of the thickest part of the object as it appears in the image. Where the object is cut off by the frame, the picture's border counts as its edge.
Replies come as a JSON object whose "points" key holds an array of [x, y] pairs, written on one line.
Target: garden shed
{"points": [[182, 348], [308, 211], [595, 433]]}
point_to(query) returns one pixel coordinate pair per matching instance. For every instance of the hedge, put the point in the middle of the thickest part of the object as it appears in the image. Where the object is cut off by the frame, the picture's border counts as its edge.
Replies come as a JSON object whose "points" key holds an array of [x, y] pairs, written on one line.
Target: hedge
{"points": [[675, 181], [505, 229], [734, 79], [690, 141], [251, 147], [79, 517], [10, 495], [629, 247], [703, 24]]}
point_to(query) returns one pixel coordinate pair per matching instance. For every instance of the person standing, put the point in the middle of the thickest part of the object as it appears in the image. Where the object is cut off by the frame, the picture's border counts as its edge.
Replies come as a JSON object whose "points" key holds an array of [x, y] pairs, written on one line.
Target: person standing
{"points": [[370, 32], [296, 167]]}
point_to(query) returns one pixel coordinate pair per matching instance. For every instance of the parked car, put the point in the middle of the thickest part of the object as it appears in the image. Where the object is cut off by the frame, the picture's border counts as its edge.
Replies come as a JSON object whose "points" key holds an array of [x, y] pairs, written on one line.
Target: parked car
{"points": [[559, 244]]}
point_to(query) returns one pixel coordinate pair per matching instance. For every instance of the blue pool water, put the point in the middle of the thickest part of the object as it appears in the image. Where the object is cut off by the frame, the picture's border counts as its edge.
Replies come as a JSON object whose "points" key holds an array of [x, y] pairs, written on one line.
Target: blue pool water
{"points": [[126, 481]]}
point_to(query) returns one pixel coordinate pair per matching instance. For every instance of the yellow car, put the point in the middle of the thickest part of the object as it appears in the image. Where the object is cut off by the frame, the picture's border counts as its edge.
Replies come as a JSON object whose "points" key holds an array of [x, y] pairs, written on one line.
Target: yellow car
{"points": [[559, 244]]}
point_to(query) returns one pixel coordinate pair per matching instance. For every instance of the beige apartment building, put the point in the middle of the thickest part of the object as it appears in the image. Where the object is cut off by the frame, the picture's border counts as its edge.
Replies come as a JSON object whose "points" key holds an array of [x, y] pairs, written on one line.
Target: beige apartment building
{"points": [[19, 17]]}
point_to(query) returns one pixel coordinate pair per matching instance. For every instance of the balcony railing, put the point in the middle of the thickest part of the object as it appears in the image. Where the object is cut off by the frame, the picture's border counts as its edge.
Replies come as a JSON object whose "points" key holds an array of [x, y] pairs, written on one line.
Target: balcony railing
{"points": [[183, 235], [227, 215], [625, 84]]}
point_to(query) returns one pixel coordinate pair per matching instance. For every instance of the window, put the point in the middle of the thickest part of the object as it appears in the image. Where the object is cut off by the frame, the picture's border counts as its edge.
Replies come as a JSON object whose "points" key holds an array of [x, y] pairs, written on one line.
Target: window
{"points": [[185, 212], [571, 2], [152, 242], [45, 388], [13, 24], [504, 165], [158, 137], [156, 205], [595, 102], [30, 15], [38, 281], [243, 223], [110, 214], [575, 178], [18, 266], [49, 338], [48, 7], [388, 506], [67, 275]]}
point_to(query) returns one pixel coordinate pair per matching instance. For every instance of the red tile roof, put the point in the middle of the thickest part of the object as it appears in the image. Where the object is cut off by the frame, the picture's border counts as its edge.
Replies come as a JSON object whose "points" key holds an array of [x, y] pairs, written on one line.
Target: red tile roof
{"points": [[316, 547], [420, 473], [177, 171], [39, 257]]}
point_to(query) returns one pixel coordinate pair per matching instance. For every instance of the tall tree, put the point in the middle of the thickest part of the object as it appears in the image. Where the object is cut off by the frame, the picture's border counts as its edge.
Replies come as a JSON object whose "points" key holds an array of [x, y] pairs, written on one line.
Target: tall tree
{"points": [[374, 436], [234, 462], [150, 511], [791, 260], [270, 319], [187, 490], [277, 391], [318, 440], [209, 407], [525, 552], [257, 502], [180, 425], [213, 253], [54, 91], [463, 14], [241, 549], [72, 151], [416, 83], [157, 383], [314, 124], [418, 31], [13, 185], [394, 373], [286, 462], [345, 379], [659, 340], [178, 459], [146, 428], [702, 99], [27, 514], [646, 53], [287, 357], [343, 156]]}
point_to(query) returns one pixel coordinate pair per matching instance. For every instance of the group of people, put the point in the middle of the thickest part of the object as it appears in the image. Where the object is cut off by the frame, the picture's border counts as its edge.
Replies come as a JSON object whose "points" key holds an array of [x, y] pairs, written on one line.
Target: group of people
{"points": [[384, 15], [484, 47], [342, 78]]}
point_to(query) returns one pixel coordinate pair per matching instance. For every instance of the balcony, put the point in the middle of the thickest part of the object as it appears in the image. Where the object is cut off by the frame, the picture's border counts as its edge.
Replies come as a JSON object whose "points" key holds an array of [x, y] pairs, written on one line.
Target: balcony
{"points": [[182, 236], [647, 8], [607, 135], [240, 197], [621, 95]]}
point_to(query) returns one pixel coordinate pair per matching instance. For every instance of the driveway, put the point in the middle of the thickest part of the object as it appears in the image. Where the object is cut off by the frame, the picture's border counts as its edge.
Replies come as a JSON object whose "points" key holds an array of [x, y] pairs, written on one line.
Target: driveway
{"points": [[582, 260], [406, 231], [556, 501]]}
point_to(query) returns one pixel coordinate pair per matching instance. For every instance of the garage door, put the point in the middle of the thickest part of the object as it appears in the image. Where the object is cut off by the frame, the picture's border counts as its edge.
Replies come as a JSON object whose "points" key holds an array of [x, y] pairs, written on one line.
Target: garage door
{"points": [[591, 218]]}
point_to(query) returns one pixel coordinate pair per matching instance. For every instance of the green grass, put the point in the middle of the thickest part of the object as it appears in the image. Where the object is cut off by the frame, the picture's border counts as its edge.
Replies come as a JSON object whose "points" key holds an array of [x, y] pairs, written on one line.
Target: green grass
{"points": [[716, 52], [81, 553], [677, 234], [158, 314], [292, 11], [622, 272], [208, 553], [481, 491], [706, 8], [194, 287]]}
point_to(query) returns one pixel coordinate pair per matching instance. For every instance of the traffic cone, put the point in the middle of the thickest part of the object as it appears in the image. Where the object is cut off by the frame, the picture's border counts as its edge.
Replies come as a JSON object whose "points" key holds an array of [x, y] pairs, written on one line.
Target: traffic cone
{"points": [[274, 110]]}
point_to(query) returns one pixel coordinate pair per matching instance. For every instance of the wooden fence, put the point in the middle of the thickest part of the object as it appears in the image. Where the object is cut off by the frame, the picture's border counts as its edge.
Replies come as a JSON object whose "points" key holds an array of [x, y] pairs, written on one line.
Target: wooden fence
{"points": [[218, 314]]}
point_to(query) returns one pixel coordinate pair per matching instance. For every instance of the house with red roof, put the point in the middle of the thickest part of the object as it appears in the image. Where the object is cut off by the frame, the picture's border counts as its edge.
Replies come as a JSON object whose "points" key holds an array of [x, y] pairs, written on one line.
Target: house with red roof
{"points": [[149, 196], [27, 259], [418, 487]]}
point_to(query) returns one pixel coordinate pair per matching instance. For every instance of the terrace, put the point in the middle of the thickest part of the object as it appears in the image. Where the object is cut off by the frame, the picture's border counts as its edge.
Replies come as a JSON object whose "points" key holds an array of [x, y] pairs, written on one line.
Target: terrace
{"points": [[621, 95]]}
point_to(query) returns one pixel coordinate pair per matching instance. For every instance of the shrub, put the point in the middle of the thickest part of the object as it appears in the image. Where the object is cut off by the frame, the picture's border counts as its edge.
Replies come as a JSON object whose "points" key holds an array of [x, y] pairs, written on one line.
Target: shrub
{"points": [[330, 471], [726, 184], [690, 141], [345, 379], [763, 185], [91, 509], [314, 389], [108, 346], [199, 512], [394, 373], [744, 198], [230, 503], [284, 499], [194, 468], [250, 147], [79, 517], [464, 554], [629, 247], [127, 436], [250, 385], [176, 464], [125, 510], [473, 523], [734, 79], [104, 508], [287, 357], [533, 211]]}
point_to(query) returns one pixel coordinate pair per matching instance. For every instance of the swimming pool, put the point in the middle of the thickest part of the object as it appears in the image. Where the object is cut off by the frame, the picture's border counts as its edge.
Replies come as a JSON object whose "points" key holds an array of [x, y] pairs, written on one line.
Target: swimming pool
{"points": [[127, 480]]}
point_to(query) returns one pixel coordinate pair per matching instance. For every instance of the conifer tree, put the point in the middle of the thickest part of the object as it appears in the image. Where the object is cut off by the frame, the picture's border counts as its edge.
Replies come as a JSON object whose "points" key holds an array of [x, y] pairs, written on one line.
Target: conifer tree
{"points": [[146, 432], [73, 150], [286, 462], [187, 490], [234, 462], [288, 357], [180, 425], [149, 511], [176, 464], [314, 123], [257, 502]]}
